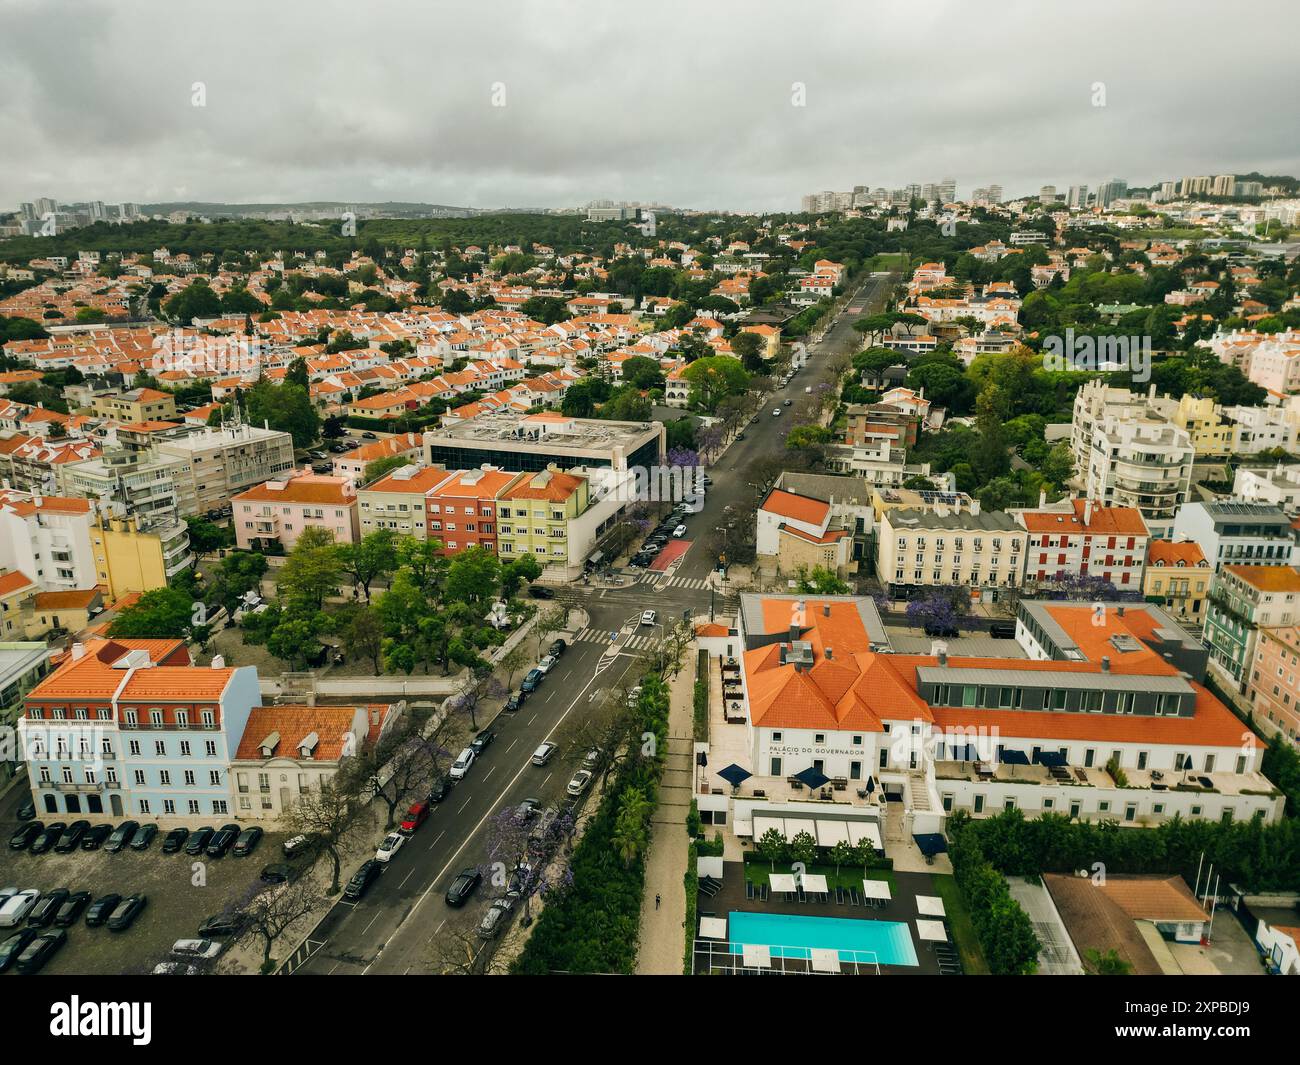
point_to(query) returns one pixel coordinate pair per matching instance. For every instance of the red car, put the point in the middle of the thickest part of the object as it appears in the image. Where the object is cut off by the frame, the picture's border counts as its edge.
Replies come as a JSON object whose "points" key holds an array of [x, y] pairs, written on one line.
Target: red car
{"points": [[415, 817]]}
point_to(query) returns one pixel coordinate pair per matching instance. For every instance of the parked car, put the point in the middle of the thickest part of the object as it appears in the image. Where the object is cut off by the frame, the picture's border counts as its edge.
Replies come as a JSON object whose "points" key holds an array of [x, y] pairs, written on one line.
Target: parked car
{"points": [[649, 617], [463, 887], [122, 836], [543, 753], [221, 841], [95, 836], [22, 838], [438, 791], [495, 918], [361, 880], [43, 912], [70, 840], [101, 909], [547, 664], [391, 845], [776, 413], [14, 945], [222, 924], [633, 694], [27, 811], [741, 436], [527, 810], [143, 837], [15, 910], [72, 908], [592, 758], [176, 968], [40, 950], [127, 911], [295, 845], [246, 842], [198, 841], [557, 648], [516, 701], [461, 765], [482, 740], [540, 591], [680, 531], [174, 841], [531, 682], [277, 873], [197, 948], [415, 817], [578, 783]]}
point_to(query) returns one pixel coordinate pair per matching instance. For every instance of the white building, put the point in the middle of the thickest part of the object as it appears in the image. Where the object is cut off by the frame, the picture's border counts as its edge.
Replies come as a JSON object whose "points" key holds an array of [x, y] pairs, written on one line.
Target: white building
{"points": [[47, 538]]}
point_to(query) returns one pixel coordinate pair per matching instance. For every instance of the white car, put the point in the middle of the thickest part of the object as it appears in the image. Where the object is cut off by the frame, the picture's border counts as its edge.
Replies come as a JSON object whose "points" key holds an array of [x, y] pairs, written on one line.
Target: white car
{"points": [[649, 618], [547, 663], [461, 765], [15, 911], [543, 753], [633, 695], [391, 845], [197, 948], [578, 783], [175, 968], [776, 413], [680, 531]]}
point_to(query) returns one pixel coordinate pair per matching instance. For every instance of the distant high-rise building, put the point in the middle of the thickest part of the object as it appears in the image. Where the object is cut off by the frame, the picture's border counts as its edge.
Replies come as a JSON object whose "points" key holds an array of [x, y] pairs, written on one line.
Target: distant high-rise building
{"points": [[1078, 197], [1249, 188], [948, 190], [1224, 185], [27, 212], [45, 205], [1047, 194], [1112, 190], [1195, 186]]}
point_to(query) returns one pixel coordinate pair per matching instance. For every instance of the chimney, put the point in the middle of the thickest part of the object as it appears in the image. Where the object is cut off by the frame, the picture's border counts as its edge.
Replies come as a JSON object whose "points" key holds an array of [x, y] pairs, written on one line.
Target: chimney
{"points": [[218, 661], [1105, 663], [78, 651], [1087, 512], [943, 658], [782, 654], [826, 610], [1042, 498], [1120, 611], [830, 654]]}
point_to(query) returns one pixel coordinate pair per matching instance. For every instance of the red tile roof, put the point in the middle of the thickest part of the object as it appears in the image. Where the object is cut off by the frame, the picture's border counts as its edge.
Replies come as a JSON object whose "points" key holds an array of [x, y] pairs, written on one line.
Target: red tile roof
{"points": [[796, 507]]}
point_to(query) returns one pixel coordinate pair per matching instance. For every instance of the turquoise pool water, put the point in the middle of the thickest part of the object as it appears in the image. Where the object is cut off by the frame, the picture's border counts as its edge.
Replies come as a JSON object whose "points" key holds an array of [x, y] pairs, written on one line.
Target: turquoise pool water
{"points": [[792, 937]]}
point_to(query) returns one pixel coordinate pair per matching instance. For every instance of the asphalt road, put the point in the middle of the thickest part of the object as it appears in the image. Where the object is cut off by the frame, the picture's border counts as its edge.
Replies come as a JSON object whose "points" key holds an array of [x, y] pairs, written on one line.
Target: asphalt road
{"points": [[403, 924]]}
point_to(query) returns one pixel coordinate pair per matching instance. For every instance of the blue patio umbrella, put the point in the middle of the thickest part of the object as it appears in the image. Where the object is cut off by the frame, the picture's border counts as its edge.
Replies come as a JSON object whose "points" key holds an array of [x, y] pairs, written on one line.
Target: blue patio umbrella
{"points": [[871, 785], [930, 843], [812, 778], [1013, 759], [735, 775], [1050, 758]]}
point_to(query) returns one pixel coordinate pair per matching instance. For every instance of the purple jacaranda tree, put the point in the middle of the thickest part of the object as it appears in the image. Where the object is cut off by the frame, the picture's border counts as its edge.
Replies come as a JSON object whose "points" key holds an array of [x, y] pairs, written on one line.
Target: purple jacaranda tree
{"points": [[940, 612]]}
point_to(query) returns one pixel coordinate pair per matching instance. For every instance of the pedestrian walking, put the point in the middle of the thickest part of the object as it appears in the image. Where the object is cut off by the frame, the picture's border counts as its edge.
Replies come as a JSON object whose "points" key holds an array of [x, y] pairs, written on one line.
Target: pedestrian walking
{"points": [[657, 900]]}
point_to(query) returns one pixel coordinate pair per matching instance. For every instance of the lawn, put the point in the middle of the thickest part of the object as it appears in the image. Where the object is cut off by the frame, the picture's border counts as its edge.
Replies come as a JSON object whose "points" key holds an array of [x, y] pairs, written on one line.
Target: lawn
{"points": [[849, 876], [963, 932]]}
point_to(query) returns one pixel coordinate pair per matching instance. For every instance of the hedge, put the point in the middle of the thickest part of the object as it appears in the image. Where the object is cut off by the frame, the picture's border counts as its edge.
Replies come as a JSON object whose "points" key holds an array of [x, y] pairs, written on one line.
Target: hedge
{"points": [[1005, 933]]}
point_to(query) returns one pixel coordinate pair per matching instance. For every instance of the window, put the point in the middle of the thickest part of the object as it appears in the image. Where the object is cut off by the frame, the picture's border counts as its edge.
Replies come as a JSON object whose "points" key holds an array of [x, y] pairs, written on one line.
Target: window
{"points": [[165, 778], [776, 737]]}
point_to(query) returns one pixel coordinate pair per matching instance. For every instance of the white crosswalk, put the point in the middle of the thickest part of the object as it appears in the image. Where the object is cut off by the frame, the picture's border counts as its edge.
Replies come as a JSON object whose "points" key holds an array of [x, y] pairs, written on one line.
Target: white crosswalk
{"points": [[601, 636]]}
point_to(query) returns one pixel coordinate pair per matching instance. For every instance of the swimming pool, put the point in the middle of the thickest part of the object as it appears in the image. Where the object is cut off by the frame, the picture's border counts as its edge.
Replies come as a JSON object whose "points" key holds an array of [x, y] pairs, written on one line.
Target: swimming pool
{"points": [[792, 936]]}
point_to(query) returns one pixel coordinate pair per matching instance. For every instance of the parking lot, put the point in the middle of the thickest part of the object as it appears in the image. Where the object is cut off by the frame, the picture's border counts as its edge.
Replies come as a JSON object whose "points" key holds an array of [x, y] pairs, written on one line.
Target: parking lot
{"points": [[182, 892]]}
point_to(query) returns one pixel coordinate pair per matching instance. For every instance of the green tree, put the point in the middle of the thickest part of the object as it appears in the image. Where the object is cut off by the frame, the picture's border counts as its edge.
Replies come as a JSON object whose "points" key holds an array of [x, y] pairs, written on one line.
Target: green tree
{"points": [[822, 581], [294, 640], [312, 570], [473, 576], [714, 377], [373, 556], [771, 847], [158, 614]]}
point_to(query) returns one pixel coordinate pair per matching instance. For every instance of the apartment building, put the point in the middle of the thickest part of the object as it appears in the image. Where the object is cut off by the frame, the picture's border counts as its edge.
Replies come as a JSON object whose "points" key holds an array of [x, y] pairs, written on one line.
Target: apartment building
{"points": [[918, 549], [1229, 532], [278, 511], [22, 665], [462, 510], [1243, 600], [131, 728], [1273, 689], [1144, 463], [1099, 726], [136, 405], [409, 446], [48, 538], [153, 489], [534, 515], [288, 751], [222, 461], [133, 557], [396, 501], [1178, 577], [1079, 538], [1277, 486]]}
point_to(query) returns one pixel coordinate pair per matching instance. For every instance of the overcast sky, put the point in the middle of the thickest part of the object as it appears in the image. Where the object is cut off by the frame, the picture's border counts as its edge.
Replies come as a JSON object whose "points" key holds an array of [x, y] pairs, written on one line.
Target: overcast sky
{"points": [[686, 103]]}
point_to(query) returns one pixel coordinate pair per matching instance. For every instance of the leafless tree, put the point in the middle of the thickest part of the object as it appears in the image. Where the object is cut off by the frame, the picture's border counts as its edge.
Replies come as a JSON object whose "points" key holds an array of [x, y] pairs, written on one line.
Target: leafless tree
{"points": [[327, 814], [272, 911]]}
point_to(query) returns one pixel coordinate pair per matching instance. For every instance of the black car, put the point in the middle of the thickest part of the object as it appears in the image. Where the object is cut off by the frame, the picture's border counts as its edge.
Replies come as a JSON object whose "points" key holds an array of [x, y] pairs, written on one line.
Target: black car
{"points": [[126, 913], [516, 701], [1003, 630], [363, 878], [122, 836], [223, 924], [557, 648], [532, 682], [43, 912], [277, 873], [174, 841], [463, 887], [71, 837], [440, 790], [482, 741], [14, 945], [71, 909], [27, 811], [247, 842], [143, 837], [540, 591], [48, 838], [22, 839], [95, 836], [221, 841], [40, 950], [101, 910], [198, 840]]}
